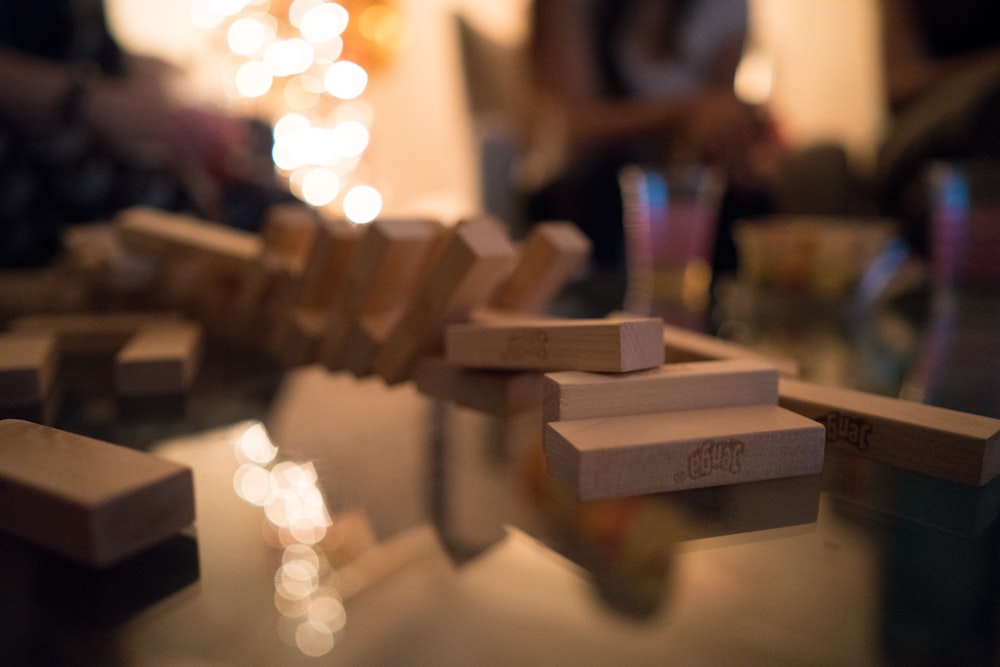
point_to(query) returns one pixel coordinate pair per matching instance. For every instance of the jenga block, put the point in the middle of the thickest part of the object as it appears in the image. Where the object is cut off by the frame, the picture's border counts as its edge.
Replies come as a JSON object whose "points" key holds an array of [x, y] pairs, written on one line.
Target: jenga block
{"points": [[100, 334], [159, 360], [608, 345], [366, 337], [28, 364], [685, 345], [330, 256], [473, 260], [691, 386], [943, 443], [171, 235], [298, 335], [651, 453], [500, 393], [88, 500], [385, 270], [551, 254], [289, 230]]}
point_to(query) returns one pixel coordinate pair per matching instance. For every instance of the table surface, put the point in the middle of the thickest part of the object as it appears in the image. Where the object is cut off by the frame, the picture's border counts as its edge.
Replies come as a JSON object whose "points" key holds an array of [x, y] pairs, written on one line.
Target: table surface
{"points": [[342, 521]]}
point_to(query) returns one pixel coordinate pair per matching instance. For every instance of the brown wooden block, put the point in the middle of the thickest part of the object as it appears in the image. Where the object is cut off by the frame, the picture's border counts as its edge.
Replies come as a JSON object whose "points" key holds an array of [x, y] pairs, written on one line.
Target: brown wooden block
{"points": [[289, 230], [943, 443], [366, 337], [159, 360], [500, 393], [28, 364], [638, 454], [88, 500], [330, 256], [682, 345], [298, 335], [184, 237], [689, 386], [472, 260], [552, 253], [98, 334], [608, 345], [385, 271]]}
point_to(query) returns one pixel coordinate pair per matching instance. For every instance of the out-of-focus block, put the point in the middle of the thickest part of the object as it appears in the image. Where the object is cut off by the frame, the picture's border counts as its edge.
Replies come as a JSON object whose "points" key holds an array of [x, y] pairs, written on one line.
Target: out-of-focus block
{"points": [[334, 244], [652, 453], [690, 386], [500, 393], [184, 237], [28, 364], [473, 260], [88, 500], [608, 345], [97, 334], [550, 256], [160, 360], [385, 271]]}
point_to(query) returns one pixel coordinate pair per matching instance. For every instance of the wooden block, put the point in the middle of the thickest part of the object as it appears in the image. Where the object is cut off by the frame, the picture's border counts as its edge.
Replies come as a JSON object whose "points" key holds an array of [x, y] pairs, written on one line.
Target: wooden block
{"points": [[682, 345], [638, 454], [691, 386], [385, 271], [184, 237], [551, 255], [88, 500], [366, 337], [28, 364], [608, 345], [298, 335], [943, 443], [325, 272], [100, 334], [500, 393], [288, 230], [159, 360], [474, 258]]}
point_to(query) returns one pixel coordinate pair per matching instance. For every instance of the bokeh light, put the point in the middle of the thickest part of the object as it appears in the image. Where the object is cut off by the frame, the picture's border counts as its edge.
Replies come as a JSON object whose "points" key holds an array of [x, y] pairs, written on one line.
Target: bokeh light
{"points": [[345, 79], [362, 204]]}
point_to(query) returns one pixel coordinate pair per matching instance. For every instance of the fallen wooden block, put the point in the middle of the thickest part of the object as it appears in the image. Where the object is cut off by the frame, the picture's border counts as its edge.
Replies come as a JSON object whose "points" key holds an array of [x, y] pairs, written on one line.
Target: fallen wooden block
{"points": [[682, 345], [160, 360], [88, 500], [288, 230], [384, 272], [297, 336], [943, 443], [652, 453], [608, 345], [187, 238], [28, 364], [500, 393], [98, 334], [334, 244], [474, 258], [689, 386], [550, 256], [366, 337]]}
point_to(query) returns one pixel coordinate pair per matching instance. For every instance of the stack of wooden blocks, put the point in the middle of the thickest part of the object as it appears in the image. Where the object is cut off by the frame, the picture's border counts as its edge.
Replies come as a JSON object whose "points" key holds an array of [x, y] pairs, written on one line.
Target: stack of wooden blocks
{"points": [[679, 426]]}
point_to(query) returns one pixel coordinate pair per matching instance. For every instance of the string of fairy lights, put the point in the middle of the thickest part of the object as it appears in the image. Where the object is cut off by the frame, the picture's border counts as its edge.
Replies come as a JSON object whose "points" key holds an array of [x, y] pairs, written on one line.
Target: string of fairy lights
{"points": [[303, 66]]}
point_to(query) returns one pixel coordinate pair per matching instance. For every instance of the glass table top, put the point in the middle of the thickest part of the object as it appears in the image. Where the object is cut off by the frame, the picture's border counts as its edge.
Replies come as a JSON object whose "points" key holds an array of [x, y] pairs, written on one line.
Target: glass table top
{"points": [[343, 521]]}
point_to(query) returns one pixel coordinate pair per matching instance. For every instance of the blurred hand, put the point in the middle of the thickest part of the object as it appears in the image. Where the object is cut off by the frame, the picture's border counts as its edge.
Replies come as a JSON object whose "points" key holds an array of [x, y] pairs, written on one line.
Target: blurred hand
{"points": [[724, 131]]}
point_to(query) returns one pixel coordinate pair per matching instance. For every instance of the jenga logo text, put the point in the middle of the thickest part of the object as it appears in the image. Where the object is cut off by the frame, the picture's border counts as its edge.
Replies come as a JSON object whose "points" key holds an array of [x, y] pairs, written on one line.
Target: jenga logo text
{"points": [[716, 455], [854, 431]]}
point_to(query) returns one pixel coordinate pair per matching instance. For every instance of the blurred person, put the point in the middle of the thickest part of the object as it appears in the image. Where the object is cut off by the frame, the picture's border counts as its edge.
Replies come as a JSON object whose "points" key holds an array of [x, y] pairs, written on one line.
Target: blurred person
{"points": [[87, 130], [941, 66], [647, 81]]}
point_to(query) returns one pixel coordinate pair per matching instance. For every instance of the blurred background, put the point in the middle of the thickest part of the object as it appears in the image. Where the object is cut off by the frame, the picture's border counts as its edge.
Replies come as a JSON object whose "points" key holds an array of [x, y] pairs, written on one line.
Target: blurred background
{"points": [[816, 62]]}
